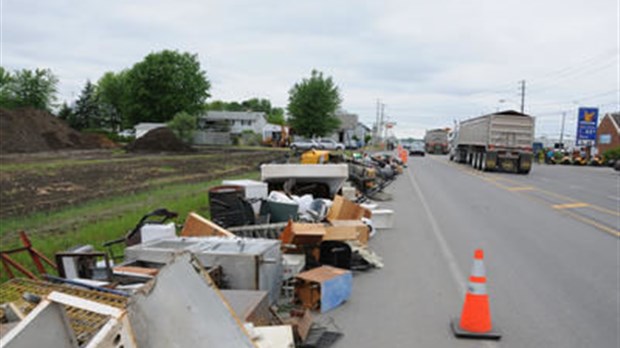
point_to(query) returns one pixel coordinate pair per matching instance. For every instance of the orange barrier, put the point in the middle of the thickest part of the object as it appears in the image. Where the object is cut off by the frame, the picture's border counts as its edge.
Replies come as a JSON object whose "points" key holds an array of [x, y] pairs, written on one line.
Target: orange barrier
{"points": [[475, 321]]}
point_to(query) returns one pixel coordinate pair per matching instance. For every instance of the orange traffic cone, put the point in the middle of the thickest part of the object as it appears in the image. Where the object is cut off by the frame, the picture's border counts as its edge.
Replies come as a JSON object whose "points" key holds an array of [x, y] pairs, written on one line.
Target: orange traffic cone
{"points": [[404, 156], [475, 321]]}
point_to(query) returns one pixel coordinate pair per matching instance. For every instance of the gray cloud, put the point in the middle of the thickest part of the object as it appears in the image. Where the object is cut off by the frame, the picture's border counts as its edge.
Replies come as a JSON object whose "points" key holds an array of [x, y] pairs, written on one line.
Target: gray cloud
{"points": [[430, 62]]}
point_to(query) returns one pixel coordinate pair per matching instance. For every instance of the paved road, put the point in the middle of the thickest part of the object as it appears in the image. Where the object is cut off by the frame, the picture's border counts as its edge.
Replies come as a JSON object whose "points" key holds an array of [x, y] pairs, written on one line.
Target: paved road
{"points": [[551, 251]]}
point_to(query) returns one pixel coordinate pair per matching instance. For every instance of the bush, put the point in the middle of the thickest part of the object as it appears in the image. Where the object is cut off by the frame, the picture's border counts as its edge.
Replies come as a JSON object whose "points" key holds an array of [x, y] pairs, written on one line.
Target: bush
{"points": [[612, 154], [184, 125], [115, 137], [248, 138]]}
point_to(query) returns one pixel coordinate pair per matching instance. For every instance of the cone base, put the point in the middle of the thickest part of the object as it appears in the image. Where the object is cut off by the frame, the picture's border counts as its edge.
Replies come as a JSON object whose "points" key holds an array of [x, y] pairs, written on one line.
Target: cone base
{"points": [[494, 334]]}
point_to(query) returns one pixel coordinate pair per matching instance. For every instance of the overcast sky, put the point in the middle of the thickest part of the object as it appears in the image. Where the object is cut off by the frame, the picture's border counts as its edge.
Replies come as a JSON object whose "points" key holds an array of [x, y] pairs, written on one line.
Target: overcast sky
{"points": [[429, 62]]}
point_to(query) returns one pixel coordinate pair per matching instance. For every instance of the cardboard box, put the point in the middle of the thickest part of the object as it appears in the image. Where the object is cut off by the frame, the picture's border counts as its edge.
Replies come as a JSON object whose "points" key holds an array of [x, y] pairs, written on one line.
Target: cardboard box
{"points": [[197, 226], [323, 288], [344, 230], [344, 209], [301, 234]]}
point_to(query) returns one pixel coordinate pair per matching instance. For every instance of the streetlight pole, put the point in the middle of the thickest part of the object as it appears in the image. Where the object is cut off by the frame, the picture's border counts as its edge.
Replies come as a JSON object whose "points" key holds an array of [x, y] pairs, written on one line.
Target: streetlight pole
{"points": [[562, 131]]}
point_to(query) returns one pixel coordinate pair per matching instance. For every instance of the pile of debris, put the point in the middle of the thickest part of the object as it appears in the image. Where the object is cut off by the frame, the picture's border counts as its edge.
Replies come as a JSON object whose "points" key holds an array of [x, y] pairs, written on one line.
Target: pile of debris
{"points": [[28, 130], [159, 140], [250, 277]]}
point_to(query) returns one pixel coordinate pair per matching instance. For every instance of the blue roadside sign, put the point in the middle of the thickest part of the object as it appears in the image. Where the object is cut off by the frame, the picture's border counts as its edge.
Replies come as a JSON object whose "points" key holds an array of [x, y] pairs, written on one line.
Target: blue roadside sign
{"points": [[586, 126]]}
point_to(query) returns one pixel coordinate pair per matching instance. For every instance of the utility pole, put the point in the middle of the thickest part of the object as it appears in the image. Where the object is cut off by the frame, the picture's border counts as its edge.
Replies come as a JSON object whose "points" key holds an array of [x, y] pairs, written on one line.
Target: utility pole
{"points": [[562, 131], [376, 133], [381, 122], [522, 96]]}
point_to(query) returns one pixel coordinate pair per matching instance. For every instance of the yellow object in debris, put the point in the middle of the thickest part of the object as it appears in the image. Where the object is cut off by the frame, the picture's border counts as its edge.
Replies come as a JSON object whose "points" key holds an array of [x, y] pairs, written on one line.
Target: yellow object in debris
{"points": [[315, 157]]}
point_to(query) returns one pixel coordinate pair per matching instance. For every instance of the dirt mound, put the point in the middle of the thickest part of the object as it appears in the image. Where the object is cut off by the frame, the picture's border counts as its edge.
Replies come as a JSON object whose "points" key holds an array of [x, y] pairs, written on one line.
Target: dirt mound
{"points": [[101, 141], [159, 140], [28, 130]]}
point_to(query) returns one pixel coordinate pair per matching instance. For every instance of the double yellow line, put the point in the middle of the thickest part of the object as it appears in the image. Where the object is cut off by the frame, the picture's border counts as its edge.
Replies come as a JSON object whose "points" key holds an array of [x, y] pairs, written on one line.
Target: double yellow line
{"points": [[564, 208]]}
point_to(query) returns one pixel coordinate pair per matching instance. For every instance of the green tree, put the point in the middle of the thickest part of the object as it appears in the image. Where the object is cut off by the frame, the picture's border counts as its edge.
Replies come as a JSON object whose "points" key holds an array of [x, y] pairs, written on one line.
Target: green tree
{"points": [[164, 84], [257, 105], [65, 113], [234, 106], [28, 88], [87, 113], [184, 125], [276, 116], [217, 105], [112, 95], [312, 105], [7, 100]]}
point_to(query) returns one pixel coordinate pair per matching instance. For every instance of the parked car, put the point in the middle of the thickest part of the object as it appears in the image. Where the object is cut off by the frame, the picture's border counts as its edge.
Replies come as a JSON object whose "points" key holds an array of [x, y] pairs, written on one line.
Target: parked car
{"points": [[305, 144], [330, 144], [417, 149]]}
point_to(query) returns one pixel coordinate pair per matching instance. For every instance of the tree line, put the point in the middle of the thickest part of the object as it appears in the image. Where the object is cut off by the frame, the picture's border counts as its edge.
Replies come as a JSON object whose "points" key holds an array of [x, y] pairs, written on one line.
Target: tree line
{"points": [[163, 85]]}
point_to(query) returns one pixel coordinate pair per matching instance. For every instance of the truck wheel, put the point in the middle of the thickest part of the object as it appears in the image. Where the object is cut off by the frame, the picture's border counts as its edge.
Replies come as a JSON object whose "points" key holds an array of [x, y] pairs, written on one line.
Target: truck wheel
{"points": [[483, 162]]}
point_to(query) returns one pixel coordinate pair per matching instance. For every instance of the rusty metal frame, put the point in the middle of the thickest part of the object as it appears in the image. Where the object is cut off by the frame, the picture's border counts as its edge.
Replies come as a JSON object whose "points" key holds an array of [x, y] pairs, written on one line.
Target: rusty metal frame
{"points": [[35, 255]]}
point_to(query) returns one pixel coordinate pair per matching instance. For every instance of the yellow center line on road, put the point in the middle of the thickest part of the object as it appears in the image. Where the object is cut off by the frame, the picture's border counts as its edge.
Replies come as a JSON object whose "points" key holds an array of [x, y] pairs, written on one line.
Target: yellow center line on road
{"points": [[603, 210], [613, 232], [570, 199], [523, 190], [570, 205]]}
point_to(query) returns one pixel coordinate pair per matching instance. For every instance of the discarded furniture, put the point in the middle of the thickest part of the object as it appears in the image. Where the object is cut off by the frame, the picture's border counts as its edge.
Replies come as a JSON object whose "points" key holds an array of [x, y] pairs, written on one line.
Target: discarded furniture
{"points": [[332, 176], [148, 228], [228, 206], [297, 237], [197, 226], [181, 296], [254, 191], [323, 288], [343, 230], [268, 231], [81, 262], [335, 253], [344, 209], [247, 264]]}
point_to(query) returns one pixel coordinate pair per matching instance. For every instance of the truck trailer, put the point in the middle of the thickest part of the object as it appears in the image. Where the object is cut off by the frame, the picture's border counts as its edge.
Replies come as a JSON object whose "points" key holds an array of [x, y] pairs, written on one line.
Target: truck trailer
{"points": [[499, 141], [436, 141]]}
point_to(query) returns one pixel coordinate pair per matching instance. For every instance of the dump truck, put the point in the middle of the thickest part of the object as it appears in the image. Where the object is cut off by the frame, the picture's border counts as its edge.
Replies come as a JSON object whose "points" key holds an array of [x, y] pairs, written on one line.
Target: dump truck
{"points": [[436, 141], [499, 141]]}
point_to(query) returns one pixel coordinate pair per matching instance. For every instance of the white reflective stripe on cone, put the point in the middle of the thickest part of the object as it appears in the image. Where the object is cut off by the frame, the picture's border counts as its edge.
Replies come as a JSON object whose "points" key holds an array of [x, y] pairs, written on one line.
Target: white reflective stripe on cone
{"points": [[477, 270], [477, 288]]}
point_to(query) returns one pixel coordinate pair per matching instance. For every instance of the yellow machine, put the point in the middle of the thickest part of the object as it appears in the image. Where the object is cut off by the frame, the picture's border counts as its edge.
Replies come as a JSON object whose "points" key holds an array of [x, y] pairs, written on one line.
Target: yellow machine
{"points": [[596, 161], [315, 157]]}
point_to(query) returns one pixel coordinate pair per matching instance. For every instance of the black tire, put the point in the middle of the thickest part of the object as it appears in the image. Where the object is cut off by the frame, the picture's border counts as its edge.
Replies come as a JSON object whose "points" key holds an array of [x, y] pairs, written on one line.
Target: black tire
{"points": [[483, 162]]}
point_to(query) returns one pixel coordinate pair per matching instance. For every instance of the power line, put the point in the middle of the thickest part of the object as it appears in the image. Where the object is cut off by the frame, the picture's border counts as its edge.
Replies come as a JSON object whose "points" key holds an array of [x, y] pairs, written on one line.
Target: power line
{"points": [[570, 69], [544, 86], [577, 99]]}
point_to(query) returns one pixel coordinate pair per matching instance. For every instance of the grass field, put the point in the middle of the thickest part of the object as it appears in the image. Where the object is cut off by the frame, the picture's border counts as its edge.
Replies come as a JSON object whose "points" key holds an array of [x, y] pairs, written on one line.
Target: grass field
{"points": [[100, 221]]}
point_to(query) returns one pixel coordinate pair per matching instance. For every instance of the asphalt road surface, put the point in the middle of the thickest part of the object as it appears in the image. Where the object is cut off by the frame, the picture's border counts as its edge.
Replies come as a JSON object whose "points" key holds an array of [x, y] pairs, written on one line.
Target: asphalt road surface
{"points": [[552, 255]]}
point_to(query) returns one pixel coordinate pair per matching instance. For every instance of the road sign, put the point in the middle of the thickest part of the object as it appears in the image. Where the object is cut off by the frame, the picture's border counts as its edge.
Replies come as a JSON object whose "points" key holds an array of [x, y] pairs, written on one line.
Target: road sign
{"points": [[586, 126]]}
